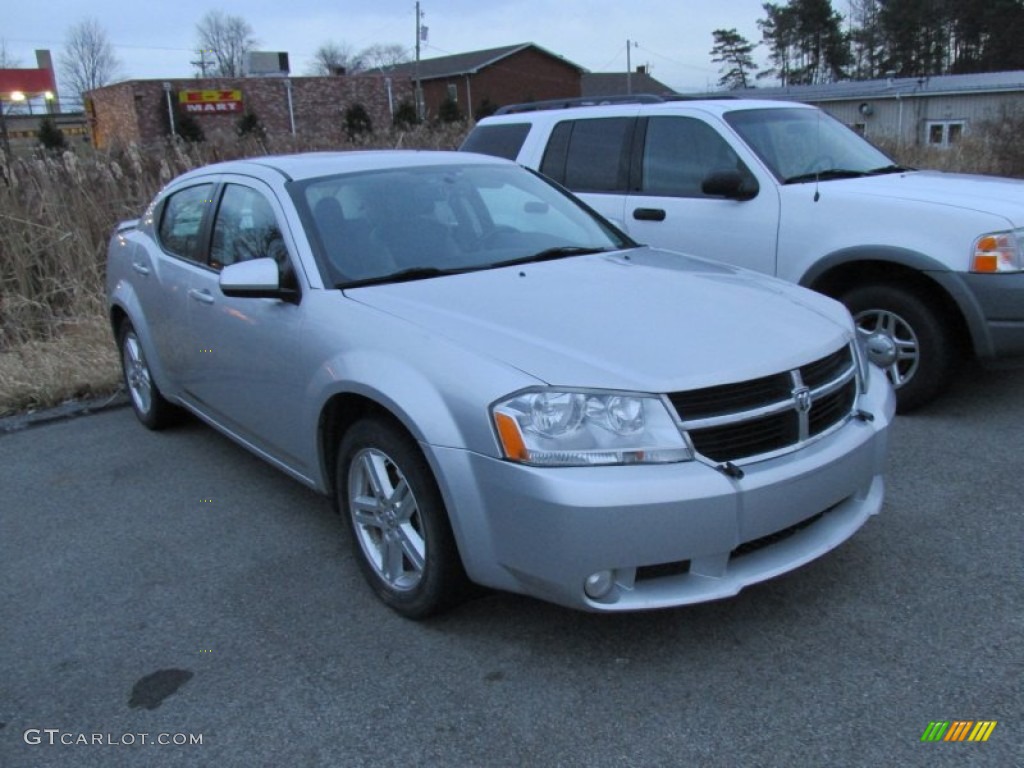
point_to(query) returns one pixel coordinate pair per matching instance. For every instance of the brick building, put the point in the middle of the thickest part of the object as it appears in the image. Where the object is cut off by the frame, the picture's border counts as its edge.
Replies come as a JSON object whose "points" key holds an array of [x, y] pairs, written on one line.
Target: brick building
{"points": [[137, 110], [496, 76]]}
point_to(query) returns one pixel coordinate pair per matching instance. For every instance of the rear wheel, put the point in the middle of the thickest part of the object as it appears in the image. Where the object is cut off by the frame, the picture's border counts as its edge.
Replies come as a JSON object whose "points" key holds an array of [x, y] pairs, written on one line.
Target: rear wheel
{"points": [[904, 336], [400, 530], [149, 405]]}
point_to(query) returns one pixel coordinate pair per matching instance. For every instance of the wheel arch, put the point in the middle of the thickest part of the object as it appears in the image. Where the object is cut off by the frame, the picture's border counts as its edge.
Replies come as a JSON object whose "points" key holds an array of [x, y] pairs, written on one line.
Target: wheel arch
{"points": [[343, 410], [338, 414], [914, 271]]}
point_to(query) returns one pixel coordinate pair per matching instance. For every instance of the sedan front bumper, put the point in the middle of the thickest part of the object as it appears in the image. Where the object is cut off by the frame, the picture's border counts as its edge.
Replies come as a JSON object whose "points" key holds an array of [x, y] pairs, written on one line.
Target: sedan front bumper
{"points": [[669, 534]]}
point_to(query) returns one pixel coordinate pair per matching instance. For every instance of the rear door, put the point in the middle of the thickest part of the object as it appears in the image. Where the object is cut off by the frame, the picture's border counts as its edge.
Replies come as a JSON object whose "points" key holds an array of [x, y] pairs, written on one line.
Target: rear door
{"points": [[667, 208], [180, 229], [591, 157]]}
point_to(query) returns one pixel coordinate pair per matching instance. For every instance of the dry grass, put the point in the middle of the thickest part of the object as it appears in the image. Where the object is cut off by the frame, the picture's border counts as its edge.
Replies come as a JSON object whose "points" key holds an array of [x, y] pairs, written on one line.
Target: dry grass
{"points": [[56, 215]]}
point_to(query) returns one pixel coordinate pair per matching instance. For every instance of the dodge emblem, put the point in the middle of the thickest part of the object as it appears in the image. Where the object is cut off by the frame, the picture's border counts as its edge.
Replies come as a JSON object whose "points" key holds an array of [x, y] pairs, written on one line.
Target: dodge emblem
{"points": [[802, 396]]}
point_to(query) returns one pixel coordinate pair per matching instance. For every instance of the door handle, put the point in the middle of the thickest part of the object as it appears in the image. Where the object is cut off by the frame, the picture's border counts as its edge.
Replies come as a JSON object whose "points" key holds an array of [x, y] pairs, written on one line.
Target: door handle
{"points": [[204, 296], [139, 267], [649, 214]]}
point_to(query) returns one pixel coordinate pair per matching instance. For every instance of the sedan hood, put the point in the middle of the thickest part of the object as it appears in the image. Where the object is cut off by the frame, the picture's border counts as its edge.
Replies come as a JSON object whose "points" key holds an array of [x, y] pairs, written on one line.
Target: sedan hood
{"points": [[986, 194], [644, 320]]}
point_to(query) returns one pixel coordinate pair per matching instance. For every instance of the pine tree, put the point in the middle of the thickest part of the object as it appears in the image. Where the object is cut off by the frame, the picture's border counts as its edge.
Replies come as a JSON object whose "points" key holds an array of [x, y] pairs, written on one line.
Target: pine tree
{"points": [[50, 136], [806, 42], [732, 51], [357, 122]]}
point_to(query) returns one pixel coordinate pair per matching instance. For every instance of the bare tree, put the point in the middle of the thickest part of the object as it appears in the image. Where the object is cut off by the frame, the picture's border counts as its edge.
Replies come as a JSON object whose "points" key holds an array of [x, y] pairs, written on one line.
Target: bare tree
{"points": [[226, 40], [88, 59], [7, 60], [331, 57], [380, 56]]}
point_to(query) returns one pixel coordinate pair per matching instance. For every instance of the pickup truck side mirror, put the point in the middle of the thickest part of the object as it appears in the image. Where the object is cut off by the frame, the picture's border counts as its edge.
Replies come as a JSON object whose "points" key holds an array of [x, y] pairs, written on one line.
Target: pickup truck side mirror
{"points": [[731, 185]]}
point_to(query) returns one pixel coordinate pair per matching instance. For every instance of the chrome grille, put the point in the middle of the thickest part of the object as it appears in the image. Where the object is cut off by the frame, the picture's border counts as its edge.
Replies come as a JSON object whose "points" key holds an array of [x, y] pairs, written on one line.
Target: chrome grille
{"points": [[772, 413]]}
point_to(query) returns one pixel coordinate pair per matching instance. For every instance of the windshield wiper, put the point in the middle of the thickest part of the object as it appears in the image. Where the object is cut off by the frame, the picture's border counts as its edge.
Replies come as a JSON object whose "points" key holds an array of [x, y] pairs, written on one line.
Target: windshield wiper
{"points": [[889, 169], [404, 276], [549, 254], [827, 175]]}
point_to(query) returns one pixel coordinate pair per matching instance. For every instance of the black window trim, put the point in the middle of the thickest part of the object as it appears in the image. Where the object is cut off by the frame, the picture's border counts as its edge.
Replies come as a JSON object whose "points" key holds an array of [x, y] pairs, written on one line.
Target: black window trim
{"points": [[205, 225], [624, 170]]}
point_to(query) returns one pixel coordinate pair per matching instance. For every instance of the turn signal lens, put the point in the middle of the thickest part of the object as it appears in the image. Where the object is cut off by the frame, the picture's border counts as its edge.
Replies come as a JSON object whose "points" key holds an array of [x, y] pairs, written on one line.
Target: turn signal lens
{"points": [[997, 252]]}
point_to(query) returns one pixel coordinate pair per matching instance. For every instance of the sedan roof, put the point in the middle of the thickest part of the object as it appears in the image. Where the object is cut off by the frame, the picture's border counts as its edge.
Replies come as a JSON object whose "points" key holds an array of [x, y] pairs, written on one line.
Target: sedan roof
{"points": [[313, 164]]}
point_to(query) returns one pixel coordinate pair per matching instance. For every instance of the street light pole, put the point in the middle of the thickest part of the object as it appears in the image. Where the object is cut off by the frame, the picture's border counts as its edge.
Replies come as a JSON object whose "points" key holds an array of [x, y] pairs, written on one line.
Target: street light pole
{"points": [[3, 129], [170, 107]]}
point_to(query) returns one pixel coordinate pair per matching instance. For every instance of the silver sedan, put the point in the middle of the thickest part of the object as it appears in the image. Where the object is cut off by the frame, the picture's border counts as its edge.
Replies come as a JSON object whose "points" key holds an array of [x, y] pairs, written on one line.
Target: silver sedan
{"points": [[495, 384]]}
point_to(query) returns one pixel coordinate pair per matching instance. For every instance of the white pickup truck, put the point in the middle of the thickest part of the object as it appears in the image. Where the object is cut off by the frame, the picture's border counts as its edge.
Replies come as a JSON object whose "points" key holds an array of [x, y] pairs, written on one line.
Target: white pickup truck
{"points": [[930, 264]]}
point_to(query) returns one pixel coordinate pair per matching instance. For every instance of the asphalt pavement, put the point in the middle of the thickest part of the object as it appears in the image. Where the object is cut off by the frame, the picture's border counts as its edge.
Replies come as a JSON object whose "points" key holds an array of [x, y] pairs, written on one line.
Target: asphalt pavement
{"points": [[159, 590]]}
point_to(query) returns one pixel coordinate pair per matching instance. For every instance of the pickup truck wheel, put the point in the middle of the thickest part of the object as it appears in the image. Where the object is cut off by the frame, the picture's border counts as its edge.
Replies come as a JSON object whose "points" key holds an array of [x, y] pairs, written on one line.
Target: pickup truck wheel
{"points": [[905, 337], [149, 405], [400, 530]]}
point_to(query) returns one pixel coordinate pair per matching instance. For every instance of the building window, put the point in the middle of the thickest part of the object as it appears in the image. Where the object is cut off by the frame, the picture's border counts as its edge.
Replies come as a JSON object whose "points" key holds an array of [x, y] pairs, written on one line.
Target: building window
{"points": [[453, 92], [945, 133]]}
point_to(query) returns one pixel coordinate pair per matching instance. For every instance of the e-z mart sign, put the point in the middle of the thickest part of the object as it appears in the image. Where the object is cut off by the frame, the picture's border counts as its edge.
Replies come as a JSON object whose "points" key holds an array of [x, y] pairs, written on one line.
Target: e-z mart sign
{"points": [[211, 102]]}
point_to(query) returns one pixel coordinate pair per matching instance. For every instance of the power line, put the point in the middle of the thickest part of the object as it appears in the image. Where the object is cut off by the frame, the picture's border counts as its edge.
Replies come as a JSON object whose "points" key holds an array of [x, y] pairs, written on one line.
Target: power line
{"points": [[675, 61]]}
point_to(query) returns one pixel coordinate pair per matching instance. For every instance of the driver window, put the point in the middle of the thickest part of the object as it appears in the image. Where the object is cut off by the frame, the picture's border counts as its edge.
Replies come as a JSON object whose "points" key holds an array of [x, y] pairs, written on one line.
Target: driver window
{"points": [[679, 153], [245, 228]]}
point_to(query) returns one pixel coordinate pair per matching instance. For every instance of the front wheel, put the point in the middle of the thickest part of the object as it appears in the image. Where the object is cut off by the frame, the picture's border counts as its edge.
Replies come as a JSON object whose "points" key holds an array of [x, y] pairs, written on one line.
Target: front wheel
{"points": [[400, 530], [904, 336]]}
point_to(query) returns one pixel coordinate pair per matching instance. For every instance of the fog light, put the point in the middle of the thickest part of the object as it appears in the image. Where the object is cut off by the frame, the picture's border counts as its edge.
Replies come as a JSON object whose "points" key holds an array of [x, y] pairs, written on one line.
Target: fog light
{"points": [[599, 584]]}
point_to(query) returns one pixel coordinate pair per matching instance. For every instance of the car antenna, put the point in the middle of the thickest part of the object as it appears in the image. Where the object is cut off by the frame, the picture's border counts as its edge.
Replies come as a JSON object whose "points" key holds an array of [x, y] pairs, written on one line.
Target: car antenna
{"points": [[817, 153]]}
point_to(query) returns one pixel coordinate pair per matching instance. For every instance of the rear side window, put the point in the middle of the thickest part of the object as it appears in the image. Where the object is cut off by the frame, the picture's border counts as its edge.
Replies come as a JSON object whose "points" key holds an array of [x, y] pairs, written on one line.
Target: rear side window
{"points": [[503, 140], [589, 155], [182, 220]]}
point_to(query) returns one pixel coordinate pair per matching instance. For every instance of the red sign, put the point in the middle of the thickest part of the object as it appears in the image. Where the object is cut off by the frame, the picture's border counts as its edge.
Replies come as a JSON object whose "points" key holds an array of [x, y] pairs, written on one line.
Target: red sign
{"points": [[211, 102]]}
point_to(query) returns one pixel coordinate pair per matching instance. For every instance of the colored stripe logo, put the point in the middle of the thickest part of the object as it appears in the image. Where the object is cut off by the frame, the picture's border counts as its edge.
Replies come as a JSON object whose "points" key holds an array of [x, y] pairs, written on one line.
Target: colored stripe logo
{"points": [[958, 730]]}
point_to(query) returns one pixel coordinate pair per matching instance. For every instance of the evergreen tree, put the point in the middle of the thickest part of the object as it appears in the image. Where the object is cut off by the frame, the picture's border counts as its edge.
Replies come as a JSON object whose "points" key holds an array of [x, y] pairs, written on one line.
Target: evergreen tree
{"points": [[357, 121], [732, 51], [249, 124], [867, 39], [806, 42], [50, 136], [917, 34], [405, 115], [449, 111]]}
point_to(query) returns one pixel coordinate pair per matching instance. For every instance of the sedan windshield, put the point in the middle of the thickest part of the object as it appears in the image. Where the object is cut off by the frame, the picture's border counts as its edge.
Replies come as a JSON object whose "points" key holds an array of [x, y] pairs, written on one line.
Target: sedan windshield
{"points": [[414, 223], [801, 145]]}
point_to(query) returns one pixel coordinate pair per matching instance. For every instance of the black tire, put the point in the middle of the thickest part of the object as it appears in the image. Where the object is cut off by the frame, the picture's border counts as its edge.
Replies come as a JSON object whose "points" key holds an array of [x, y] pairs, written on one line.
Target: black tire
{"points": [[148, 403], [405, 547], [925, 344]]}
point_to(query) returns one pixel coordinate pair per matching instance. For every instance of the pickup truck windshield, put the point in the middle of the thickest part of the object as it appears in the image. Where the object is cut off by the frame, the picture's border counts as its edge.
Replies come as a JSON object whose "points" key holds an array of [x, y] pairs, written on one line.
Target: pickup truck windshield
{"points": [[801, 145]]}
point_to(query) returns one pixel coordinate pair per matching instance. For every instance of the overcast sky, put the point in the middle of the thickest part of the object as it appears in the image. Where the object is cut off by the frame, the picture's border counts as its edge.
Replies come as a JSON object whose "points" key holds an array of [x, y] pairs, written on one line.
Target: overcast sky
{"points": [[155, 39]]}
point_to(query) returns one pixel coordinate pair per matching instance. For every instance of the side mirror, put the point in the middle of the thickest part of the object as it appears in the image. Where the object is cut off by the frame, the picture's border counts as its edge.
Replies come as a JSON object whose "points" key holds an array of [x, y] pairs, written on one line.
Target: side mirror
{"points": [[732, 185], [255, 279]]}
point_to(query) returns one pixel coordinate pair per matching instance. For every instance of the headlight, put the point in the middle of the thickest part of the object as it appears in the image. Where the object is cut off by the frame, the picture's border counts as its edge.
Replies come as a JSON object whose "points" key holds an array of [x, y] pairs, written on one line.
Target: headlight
{"points": [[998, 252], [559, 427]]}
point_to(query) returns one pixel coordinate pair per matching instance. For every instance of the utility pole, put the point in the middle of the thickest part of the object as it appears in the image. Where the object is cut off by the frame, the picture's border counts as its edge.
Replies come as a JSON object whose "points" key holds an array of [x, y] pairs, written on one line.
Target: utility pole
{"points": [[202, 62], [419, 89], [629, 70]]}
